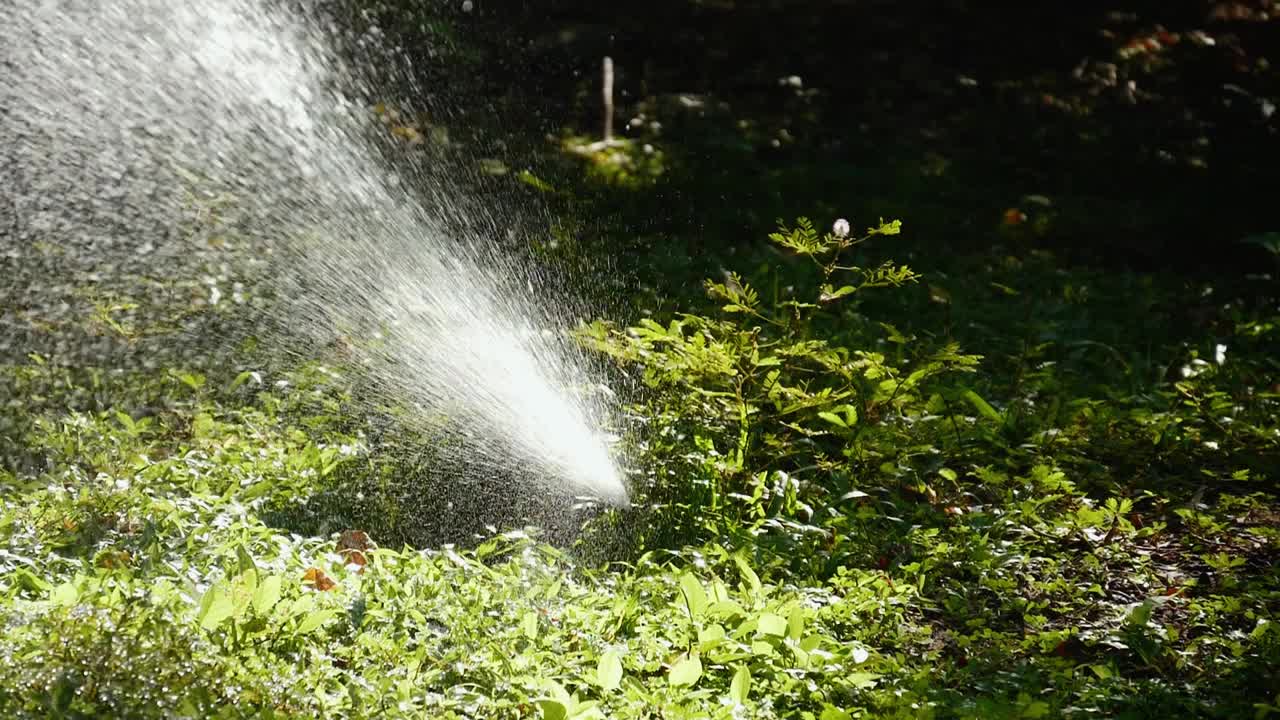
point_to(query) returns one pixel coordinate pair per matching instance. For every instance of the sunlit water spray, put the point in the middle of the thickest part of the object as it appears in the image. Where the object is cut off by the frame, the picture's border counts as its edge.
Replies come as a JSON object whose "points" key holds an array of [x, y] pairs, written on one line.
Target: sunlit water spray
{"points": [[118, 116]]}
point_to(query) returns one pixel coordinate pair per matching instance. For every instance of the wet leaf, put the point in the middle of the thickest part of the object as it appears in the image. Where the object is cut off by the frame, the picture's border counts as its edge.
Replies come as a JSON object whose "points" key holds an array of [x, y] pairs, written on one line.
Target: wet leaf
{"points": [[609, 671], [685, 672]]}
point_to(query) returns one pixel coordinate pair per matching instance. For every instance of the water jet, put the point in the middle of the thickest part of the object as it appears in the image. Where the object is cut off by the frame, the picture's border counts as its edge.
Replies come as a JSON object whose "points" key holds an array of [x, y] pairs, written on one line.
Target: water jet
{"points": [[122, 122]]}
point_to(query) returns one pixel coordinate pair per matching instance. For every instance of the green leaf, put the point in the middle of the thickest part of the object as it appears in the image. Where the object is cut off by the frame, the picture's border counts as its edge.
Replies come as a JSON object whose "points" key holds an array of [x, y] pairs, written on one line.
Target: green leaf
{"points": [[215, 607], [1141, 614], [833, 418], [982, 406], [28, 580], [301, 605], [557, 692], [609, 671], [695, 597], [795, 623], [831, 712], [711, 636], [862, 679], [829, 293], [315, 619], [771, 624], [267, 594], [535, 182], [242, 590], [1034, 709], [748, 575], [529, 625], [686, 672], [65, 594], [195, 381], [740, 688], [886, 228], [553, 710]]}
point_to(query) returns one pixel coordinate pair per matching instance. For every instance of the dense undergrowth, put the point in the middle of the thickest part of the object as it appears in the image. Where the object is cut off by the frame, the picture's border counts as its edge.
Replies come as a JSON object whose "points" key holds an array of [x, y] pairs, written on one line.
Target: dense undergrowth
{"points": [[839, 512]]}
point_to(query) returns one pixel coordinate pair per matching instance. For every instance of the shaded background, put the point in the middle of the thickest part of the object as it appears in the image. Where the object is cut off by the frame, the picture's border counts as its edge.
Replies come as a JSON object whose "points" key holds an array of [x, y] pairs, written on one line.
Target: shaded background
{"points": [[1150, 127]]}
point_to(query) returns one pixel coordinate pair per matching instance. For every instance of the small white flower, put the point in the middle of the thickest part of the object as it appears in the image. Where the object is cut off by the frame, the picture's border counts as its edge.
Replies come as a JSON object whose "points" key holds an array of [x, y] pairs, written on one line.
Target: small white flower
{"points": [[1220, 354], [840, 228], [467, 6]]}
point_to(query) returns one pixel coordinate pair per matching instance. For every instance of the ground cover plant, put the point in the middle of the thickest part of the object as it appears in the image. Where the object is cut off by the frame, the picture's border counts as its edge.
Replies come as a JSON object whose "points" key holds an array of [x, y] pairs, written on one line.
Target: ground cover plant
{"points": [[943, 465], [837, 518]]}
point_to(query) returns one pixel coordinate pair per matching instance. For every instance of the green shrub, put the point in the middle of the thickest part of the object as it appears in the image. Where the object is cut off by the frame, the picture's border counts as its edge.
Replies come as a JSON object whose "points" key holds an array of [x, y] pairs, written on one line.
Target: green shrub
{"points": [[774, 419]]}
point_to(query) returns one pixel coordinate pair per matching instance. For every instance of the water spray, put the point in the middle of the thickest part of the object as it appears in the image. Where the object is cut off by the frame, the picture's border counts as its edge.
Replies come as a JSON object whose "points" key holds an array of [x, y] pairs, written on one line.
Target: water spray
{"points": [[117, 117]]}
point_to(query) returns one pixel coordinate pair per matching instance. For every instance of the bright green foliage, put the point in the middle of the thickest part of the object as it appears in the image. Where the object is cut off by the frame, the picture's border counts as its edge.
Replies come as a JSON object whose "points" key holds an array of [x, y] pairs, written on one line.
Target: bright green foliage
{"points": [[782, 417], [140, 580], [839, 517], [1026, 575]]}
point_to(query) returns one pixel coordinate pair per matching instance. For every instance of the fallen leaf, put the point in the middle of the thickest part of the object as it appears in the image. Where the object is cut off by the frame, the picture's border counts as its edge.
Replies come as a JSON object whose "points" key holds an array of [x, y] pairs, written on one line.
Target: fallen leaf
{"points": [[352, 546], [315, 578]]}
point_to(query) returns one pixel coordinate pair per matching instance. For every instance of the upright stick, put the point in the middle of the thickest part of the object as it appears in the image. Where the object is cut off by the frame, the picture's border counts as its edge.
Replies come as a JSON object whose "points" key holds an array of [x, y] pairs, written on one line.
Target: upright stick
{"points": [[607, 96]]}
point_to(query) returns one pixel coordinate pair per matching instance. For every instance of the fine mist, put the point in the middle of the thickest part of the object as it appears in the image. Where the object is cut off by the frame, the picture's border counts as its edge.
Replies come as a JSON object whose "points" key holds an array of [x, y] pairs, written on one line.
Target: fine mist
{"points": [[125, 125]]}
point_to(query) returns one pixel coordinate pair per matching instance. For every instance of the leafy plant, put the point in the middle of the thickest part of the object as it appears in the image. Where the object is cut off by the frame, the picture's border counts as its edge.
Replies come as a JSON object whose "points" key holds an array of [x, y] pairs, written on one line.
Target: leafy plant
{"points": [[781, 416]]}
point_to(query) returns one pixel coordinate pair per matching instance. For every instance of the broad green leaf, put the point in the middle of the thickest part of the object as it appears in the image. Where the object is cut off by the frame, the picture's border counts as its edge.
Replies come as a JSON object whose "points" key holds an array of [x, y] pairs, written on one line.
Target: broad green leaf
{"points": [[711, 636], [557, 692], [65, 594], [267, 595], [695, 597], [529, 625], [740, 688], [771, 624], [686, 671], [862, 679], [609, 671], [726, 609], [216, 606], [315, 619], [553, 710], [301, 605], [195, 381], [1141, 614], [244, 561], [243, 589], [831, 712], [719, 593], [1035, 709]]}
